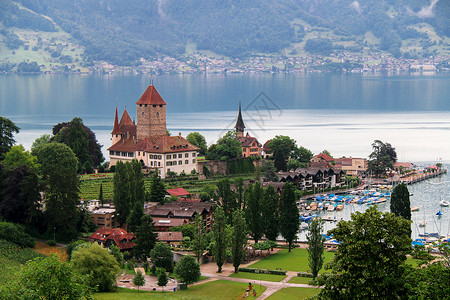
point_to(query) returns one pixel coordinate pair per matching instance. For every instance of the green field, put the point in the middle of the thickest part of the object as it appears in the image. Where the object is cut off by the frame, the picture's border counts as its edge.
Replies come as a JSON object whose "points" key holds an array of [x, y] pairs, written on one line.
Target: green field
{"points": [[219, 289], [296, 260], [303, 280], [254, 276], [294, 293]]}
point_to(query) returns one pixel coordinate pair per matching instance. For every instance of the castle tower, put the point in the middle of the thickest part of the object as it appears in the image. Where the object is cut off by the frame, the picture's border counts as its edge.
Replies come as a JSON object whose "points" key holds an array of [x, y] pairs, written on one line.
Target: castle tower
{"points": [[115, 134], [151, 114], [239, 124]]}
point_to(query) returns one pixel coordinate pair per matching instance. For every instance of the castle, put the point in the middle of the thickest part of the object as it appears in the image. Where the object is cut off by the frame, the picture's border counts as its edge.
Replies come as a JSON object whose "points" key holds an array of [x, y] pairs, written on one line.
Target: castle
{"points": [[148, 141], [250, 145]]}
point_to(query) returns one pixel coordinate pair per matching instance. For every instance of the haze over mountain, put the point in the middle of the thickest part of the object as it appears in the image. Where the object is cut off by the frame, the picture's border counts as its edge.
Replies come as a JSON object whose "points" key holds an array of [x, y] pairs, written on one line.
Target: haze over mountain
{"points": [[123, 31]]}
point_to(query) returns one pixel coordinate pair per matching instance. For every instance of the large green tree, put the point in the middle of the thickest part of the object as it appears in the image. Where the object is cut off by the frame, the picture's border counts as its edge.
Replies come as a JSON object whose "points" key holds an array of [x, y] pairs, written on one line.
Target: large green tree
{"points": [[270, 213], [279, 160], [198, 140], [61, 188], [238, 239], [162, 257], [382, 158], [400, 204], [187, 269], [227, 147], [253, 197], [220, 238], [122, 193], [99, 264], [17, 156], [7, 130], [370, 259], [48, 278], [268, 170], [199, 241], [288, 214], [227, 198], [81, 140], [283, 144], [157, 188], [315, 246], [146, 238]]}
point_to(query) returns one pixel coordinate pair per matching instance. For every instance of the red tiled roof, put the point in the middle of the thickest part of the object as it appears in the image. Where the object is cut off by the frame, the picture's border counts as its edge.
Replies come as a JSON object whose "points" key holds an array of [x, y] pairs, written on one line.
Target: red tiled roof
{"points": [[160, 144], [116, 124], [118, 235], [403, 165], [324, 156], [169, 222], [151, 96], [175, 236], [265, 148], [247, 141], [178, 192]]}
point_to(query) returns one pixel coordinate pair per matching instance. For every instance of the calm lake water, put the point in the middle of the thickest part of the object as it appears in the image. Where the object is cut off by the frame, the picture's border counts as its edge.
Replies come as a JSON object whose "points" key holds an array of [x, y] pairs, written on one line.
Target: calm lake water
{"points": [[343, 113]]}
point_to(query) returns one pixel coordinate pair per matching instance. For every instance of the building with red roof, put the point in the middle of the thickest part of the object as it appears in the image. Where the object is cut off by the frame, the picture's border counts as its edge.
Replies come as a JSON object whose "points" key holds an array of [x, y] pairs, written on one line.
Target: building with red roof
{"points": [[178, 192], [250, 145], [147, 140], [113, 236]]}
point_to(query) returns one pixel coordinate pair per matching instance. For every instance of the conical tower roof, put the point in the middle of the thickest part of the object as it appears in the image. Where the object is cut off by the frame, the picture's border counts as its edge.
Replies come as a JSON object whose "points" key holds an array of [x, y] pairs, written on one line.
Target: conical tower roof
{"points": [[151, 96], [116, 129], [240, 122]]}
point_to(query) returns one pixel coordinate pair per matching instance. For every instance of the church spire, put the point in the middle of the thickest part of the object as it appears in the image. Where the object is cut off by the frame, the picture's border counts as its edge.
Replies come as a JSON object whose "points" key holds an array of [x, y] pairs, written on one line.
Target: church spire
{"points": [[240, 123], [116, 124]]}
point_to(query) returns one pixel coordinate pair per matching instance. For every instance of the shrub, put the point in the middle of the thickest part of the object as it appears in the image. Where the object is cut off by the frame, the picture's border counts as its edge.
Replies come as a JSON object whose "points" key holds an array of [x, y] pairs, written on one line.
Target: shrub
{"points": [[305, 274], [51, 243], [14, 233]]}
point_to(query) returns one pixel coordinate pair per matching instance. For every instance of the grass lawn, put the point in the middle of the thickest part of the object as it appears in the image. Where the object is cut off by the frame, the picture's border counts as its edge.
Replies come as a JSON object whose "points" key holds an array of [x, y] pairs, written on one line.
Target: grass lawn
{"points": [[253, 276], [296, 279], [219, 289], [294, 293], [412, 261], [296, 261]]}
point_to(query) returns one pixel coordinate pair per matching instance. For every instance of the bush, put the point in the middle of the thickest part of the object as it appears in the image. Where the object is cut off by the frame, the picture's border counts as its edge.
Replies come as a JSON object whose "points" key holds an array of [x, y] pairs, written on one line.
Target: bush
{"points": [[16, 234], [51, 243], [305, 274], [265, 271]]}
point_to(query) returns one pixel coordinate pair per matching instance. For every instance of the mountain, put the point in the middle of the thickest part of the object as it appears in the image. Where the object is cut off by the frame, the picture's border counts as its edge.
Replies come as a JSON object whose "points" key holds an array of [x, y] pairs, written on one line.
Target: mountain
{"points": [[123, 31]]}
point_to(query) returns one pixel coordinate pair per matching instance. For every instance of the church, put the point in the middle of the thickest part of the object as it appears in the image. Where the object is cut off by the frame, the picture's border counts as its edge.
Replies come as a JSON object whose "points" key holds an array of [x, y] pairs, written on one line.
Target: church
{"points": [[147, 139]]}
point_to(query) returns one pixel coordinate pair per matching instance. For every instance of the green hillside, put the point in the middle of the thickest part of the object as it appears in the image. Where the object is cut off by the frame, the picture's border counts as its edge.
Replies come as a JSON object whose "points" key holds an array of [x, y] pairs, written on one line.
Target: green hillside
{"points": [[123, 31]]}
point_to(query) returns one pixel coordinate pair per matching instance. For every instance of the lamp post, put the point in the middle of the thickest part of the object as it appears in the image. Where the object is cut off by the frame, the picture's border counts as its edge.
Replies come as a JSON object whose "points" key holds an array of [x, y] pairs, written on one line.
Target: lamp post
{"points": [[54, 238]]}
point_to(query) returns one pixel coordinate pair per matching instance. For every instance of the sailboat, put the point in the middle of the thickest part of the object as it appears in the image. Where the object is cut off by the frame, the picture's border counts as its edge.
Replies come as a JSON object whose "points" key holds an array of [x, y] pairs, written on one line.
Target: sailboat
{"points": [[444, 203]]}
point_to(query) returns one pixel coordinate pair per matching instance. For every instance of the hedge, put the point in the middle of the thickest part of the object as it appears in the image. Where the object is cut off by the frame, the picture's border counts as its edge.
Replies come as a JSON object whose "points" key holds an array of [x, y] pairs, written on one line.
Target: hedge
{"points": [[265, 271], [305, 274]]}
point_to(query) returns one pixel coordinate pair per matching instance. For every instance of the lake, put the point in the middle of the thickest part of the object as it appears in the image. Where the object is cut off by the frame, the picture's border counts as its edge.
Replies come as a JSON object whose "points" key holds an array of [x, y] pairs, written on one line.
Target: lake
{"points": [[343, 113]]}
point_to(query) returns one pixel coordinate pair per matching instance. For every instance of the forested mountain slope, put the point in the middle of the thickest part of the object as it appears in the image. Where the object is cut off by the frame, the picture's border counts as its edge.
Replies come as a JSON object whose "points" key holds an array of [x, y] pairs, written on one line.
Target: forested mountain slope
{"points": [[122, 31]]}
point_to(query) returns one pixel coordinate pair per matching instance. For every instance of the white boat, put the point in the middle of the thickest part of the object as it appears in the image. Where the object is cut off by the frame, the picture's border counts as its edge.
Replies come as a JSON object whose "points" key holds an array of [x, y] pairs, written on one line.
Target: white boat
{"points": [[422, 223], [444, 203]]}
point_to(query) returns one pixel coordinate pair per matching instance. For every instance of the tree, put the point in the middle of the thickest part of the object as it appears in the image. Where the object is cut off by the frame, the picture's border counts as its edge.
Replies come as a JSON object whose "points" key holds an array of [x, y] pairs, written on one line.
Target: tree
{"points": [[115, 251], [279, 160], [400, 204], [288, 214], [100, 194], [220, 238], [199, 240], [382, 158], [238, 239], [283, 144], [134, 220], [96, 261], [7, 130], [161, 256], [327, 153], [157, 188], [139, 279], [146, 237], [315, 246], [17, 156], [270, 213], [370, 259], [81, 139], [227, 198], [61, 187], [293, 164], [187, 269], [136, 181], [253, 195], [48, 278], [162, 277], [42, 140], [20, 197], [122, 193], [269, 171], [198, 140], [303, 155], [227, 147]]}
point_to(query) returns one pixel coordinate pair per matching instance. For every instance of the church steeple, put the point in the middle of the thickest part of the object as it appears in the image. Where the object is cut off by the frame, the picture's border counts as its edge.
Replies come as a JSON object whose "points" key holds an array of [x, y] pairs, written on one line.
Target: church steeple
{"points": [[116, 124], [239, 123]]}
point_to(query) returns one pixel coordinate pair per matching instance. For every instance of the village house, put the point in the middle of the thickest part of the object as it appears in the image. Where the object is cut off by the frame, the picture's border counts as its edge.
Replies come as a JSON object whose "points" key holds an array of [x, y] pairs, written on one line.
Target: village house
{"points": [[148, 141], [313, 178], [321, 160], [173, 239], [250, 145], [351, 165], [104, 217], [113, 236]]}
